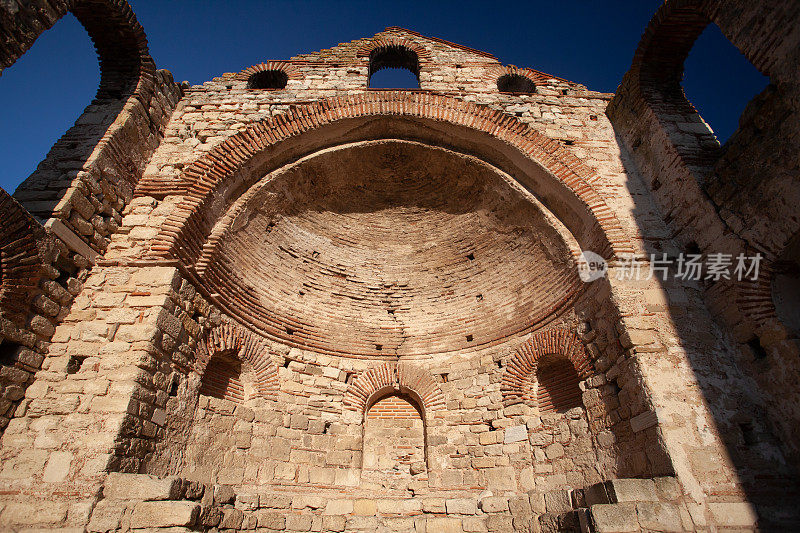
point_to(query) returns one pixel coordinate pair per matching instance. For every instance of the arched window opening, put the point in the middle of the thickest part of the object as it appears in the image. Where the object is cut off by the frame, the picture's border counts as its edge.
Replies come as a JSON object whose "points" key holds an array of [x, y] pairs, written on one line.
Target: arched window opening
{"points": [[393, 67], [558, 388], [268, 79], [515, 83], [50, 86], [394, 438], [719, 81], [225, 379], [786, 286]]}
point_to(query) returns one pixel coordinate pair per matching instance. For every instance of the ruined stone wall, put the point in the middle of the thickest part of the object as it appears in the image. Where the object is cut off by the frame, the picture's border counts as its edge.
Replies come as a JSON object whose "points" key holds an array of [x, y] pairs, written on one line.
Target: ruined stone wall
{"points": [[72, 204], [121, 388], [727, 199]]}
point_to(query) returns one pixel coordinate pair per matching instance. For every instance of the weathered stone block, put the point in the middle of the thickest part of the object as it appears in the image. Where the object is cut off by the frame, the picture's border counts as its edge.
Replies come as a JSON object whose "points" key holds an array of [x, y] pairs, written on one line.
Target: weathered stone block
{"points": [[231, 519], [474, 523], [515, 434], [57, 467], [500, 523], [461, 506], [444, 525], [433, 505], [558, 501], [659, 516], [339, 507], [106, 515], [494, 504], [734, 514], [615, 518], [164, 514], [33, 513], [122, 486], [223, 494], [298, 522], [632, 490], [333, 523], [364, 507]]}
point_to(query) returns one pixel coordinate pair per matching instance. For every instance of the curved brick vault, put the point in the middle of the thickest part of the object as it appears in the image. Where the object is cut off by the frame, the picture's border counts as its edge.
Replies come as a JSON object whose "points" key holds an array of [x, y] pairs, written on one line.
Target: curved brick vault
{"points": [[555, 175], [388, 248], [373, 383], [246, 347], [517, 384]]}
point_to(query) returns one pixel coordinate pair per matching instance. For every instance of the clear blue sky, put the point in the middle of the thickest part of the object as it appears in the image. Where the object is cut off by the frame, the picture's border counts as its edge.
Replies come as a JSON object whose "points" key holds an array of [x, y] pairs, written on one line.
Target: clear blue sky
{"points": [[587, 41]]}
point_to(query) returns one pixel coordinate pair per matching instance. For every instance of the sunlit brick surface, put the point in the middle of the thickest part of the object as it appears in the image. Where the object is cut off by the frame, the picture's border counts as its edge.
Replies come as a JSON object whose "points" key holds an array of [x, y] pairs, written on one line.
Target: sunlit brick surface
{"points": [[390, 248]]}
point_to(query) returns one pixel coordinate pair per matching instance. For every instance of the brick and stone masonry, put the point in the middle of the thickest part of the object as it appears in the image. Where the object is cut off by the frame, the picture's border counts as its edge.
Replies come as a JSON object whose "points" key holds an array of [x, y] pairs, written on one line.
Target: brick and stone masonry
{"points": [[284, 301]]}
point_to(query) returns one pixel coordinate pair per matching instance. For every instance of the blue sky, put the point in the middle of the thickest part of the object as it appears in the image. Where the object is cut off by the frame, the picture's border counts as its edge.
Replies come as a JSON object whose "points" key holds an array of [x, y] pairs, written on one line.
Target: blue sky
{"points": [[587, 41]]}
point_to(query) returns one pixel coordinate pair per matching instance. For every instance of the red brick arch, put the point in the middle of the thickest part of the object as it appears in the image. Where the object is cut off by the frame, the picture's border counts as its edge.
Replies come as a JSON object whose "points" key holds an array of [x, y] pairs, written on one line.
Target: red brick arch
{"points": [[517, 387], [538, 78], [244, 346], [234, 165], [291, 71], [374, 383], [377, 43], [125, 62]]}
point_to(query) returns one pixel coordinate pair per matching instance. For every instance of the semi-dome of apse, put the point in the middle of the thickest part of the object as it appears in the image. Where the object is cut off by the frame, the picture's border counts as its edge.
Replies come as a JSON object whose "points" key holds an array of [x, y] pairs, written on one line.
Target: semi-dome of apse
{"points": [[386, 248]]}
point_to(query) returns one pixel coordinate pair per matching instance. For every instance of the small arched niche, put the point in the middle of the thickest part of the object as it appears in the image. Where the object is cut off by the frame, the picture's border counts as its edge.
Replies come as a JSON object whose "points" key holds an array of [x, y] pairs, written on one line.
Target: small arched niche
{"points": [[394, 437], [558, 384], [227, 378], [268, 79], [786, 286], [515, 83], [393, 57]]}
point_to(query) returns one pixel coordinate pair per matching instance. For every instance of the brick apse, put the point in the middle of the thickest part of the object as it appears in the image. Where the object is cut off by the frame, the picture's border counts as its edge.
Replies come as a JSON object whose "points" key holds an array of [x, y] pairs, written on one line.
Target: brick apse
{"points": [[282, 300]]}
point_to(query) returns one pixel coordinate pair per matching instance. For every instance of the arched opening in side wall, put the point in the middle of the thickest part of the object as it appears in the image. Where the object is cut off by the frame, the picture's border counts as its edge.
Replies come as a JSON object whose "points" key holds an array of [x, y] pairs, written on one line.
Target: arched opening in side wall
{"points": [[515, 83], [719, 81], [223, 379], [44, 92]]}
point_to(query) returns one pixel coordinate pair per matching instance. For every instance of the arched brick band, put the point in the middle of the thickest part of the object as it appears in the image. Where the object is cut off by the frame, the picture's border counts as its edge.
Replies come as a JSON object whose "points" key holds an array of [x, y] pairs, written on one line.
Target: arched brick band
{"points": [[246, 347], [398, 376], [292, 72], [387, 42], [538, 78], [188, 226], [517, 381]]}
